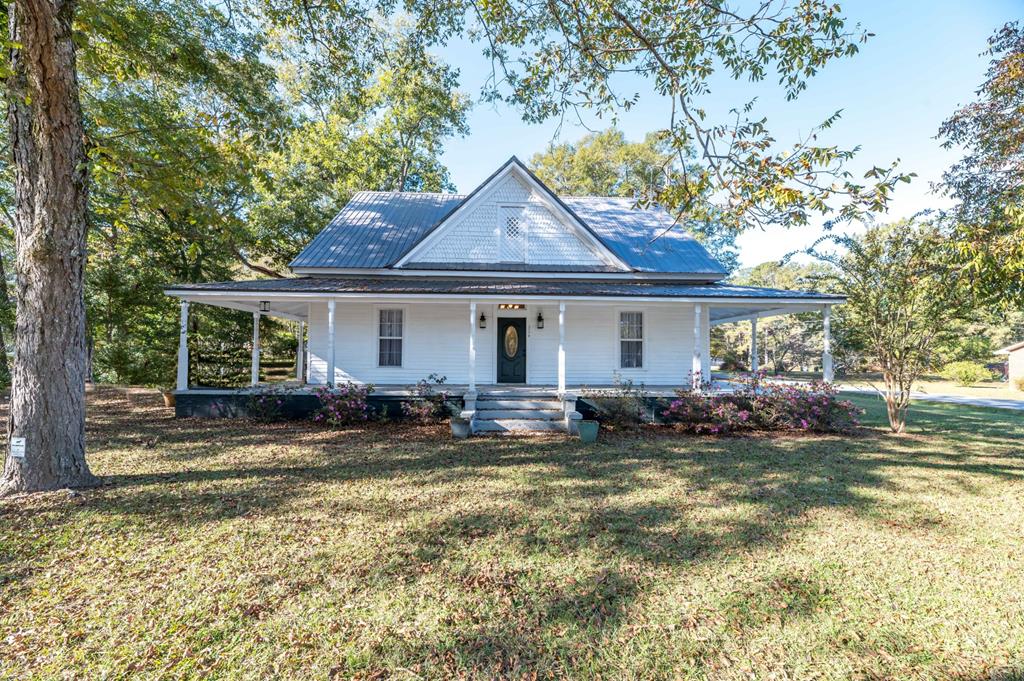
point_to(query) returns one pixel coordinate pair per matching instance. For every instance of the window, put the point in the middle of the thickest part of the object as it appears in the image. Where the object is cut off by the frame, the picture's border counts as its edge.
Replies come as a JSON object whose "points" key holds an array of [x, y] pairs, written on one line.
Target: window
{"points": [[631, 340], [389, 335], [513, 229]]}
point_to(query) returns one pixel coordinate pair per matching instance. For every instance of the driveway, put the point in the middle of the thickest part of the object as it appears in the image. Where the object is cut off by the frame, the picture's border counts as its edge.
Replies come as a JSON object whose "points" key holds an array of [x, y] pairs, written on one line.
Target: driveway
{"points": [[997, 402]]}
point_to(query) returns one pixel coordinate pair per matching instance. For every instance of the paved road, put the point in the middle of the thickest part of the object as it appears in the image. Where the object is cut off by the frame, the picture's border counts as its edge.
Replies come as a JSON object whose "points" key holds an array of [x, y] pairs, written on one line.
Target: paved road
{"points": [[997, 402]]}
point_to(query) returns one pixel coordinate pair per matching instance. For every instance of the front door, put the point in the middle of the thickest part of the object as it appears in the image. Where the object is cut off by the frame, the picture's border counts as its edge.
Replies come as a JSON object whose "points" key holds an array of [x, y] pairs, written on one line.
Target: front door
{"points": [[511, 350]]}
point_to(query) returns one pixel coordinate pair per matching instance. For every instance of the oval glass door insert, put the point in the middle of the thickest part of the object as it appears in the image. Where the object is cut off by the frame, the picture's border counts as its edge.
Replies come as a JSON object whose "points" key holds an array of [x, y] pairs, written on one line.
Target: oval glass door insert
{"points": [[511, 341]]}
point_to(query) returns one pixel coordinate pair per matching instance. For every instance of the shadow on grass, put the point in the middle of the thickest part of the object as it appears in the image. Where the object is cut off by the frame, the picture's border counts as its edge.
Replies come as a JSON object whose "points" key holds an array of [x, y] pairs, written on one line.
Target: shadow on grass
{"points": [[627, 500]]}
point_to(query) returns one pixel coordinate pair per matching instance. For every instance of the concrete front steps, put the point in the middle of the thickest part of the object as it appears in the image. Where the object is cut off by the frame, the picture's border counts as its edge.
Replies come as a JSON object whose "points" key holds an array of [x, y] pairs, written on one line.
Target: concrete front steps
{"points": [[519, 413]]}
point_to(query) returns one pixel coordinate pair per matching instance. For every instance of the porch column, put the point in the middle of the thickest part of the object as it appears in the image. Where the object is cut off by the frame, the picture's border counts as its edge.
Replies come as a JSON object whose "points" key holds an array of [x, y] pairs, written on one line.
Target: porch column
{"points": [[705, 344], [472, 346], [827, 373], [561, 348], [753, 344], [695, 366], [330, 342], [183, 348], [300, 354], [255, 348]]}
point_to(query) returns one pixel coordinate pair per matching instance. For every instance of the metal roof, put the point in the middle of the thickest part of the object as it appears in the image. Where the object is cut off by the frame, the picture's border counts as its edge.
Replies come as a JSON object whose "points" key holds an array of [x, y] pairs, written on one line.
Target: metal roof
{"points": [[376, 229], [429, 286]]}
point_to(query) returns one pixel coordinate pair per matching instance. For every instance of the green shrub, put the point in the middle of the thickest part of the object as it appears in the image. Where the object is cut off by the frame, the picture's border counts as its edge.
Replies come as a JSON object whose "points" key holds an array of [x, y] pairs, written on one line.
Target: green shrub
{"points": [[624, 406], [965, 373]]}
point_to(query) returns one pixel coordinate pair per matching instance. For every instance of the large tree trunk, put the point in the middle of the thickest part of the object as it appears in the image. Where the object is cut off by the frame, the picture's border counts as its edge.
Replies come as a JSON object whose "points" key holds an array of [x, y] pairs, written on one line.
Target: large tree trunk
{"points": [[51, 187]]}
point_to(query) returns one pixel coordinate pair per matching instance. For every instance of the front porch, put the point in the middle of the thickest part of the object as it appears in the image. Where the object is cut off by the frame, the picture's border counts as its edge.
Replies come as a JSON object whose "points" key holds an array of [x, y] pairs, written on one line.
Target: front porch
{"points": [[663, 343]]}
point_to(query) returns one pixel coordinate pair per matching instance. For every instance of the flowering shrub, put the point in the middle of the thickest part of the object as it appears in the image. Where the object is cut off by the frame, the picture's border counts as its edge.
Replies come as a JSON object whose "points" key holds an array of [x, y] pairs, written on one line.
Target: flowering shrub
{"points": [[433, 403], [343, 405], [761, 404], [266, 403]]}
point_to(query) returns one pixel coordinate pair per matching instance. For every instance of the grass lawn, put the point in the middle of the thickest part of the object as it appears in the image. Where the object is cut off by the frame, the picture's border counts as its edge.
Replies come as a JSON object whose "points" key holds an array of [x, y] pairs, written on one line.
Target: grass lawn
{"points": [[228, 549]]}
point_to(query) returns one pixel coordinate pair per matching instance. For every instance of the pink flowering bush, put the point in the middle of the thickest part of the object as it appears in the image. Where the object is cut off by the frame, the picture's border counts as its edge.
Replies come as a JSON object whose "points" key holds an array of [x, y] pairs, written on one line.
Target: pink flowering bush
{"points": [[765, 405], [343, 405], [266, 403], [434, 403]]}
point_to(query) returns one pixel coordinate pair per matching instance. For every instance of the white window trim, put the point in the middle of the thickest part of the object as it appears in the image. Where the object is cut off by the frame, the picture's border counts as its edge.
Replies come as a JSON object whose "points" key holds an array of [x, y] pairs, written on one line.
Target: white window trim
{"points": [[377, 337], [642, 340]]}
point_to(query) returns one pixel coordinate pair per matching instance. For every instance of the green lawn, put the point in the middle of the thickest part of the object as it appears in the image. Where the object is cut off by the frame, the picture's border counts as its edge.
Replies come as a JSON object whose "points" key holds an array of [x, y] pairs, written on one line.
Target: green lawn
{"points": [[233, 550]]}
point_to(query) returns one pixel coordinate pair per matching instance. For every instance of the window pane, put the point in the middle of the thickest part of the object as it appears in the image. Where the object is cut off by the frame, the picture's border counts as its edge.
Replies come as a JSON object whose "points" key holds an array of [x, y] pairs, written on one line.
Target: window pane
{"points": [[632, 354], [390, 352], [390, 324], [631, 325]]}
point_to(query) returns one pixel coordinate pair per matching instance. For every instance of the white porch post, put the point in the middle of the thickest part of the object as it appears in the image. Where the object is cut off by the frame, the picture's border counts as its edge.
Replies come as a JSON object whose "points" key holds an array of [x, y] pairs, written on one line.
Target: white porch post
{"points": [[472, 346], [827, 373], [183, 348], [696, 365], [753, 344], [705, 344], [255, 348], [561, 348], [300, 354], [330, 342]]}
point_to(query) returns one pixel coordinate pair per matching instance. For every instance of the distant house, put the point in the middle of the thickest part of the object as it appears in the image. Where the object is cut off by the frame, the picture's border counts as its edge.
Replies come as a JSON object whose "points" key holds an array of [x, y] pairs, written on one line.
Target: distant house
{"points": [[1014, 361], [508, 285]]}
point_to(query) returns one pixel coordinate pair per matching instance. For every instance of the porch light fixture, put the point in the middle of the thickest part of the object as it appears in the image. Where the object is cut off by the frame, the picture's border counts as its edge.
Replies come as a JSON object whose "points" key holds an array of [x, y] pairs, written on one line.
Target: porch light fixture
{"points": [[264, 306], [483, 321], [511, 306], [540, 320]]}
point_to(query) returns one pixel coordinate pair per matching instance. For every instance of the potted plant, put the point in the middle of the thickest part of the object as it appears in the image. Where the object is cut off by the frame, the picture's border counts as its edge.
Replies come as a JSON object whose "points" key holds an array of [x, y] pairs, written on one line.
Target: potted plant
{"points": [[587, 430], [461, 427]]}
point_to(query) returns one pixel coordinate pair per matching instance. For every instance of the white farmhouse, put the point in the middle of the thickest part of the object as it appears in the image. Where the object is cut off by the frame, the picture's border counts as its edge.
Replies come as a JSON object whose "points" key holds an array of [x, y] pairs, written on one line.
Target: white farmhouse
{"points": [[507, 286]]}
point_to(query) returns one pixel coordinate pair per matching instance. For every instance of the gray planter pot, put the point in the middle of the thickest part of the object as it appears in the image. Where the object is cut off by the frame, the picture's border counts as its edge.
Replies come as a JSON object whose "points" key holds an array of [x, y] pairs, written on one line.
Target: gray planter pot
{"points": [[587, 430], [460, 428]]}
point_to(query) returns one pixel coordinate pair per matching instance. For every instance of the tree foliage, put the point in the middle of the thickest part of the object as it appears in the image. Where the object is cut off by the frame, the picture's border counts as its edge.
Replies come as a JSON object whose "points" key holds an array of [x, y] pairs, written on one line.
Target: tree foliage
{"points": [[987, 226], [902, 299]]}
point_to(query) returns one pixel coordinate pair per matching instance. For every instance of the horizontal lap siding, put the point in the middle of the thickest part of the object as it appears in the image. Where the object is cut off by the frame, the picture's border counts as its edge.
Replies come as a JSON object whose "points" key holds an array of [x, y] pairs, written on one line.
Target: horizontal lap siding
{"points": [[437, 341]]}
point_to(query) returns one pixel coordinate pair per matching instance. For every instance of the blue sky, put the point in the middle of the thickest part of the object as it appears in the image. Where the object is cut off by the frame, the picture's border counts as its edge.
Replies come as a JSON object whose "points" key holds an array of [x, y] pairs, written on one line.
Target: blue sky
{"points": [[922, 63]]}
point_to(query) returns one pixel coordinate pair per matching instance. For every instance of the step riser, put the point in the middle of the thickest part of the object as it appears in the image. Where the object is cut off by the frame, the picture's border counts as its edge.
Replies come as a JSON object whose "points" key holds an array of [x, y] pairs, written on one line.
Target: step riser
{"points": [[517, 404], [526, 414], [518, 426]]}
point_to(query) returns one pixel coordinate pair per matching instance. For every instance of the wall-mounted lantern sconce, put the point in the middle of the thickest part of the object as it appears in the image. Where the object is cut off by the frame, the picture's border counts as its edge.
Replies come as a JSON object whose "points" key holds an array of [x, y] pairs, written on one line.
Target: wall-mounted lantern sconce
{"points": [[540, 320], [264, 306], [483, 321]]}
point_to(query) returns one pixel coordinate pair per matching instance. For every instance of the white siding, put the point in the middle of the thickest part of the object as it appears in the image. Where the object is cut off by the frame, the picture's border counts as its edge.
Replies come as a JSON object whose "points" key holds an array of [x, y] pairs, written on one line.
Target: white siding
{"points": [[477, 236], [437, 341]]}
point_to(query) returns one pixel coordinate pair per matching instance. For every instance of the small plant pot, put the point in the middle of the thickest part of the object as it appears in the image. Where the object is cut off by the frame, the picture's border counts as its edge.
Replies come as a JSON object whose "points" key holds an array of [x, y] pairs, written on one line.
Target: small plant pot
{"points": [[587, 430], [460, 428], [169, 399]]}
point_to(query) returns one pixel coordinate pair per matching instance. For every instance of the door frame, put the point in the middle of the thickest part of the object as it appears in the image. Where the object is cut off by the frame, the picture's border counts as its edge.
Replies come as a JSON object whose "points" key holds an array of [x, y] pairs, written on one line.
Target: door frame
{"points": [[523, 342]]}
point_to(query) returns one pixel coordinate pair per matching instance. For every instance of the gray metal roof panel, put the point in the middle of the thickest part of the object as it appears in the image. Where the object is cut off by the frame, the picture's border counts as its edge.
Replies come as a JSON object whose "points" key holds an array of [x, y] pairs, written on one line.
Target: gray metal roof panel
{"points": [[647, 240], [504, 286], [375, 229]]}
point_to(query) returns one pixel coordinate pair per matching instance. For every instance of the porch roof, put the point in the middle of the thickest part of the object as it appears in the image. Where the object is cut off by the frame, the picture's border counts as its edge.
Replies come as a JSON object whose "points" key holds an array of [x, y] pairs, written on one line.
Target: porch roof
{"points": [[506, 288]]}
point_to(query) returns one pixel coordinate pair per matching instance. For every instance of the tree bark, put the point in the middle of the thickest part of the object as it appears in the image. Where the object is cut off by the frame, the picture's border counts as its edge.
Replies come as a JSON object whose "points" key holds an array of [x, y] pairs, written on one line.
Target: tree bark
{"points": [[51, 199]]}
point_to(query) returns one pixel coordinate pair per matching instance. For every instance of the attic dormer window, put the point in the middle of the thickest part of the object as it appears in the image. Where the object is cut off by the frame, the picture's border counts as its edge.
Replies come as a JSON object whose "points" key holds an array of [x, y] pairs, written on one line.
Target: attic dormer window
{"points": [[513, 228], [513, 234]]}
